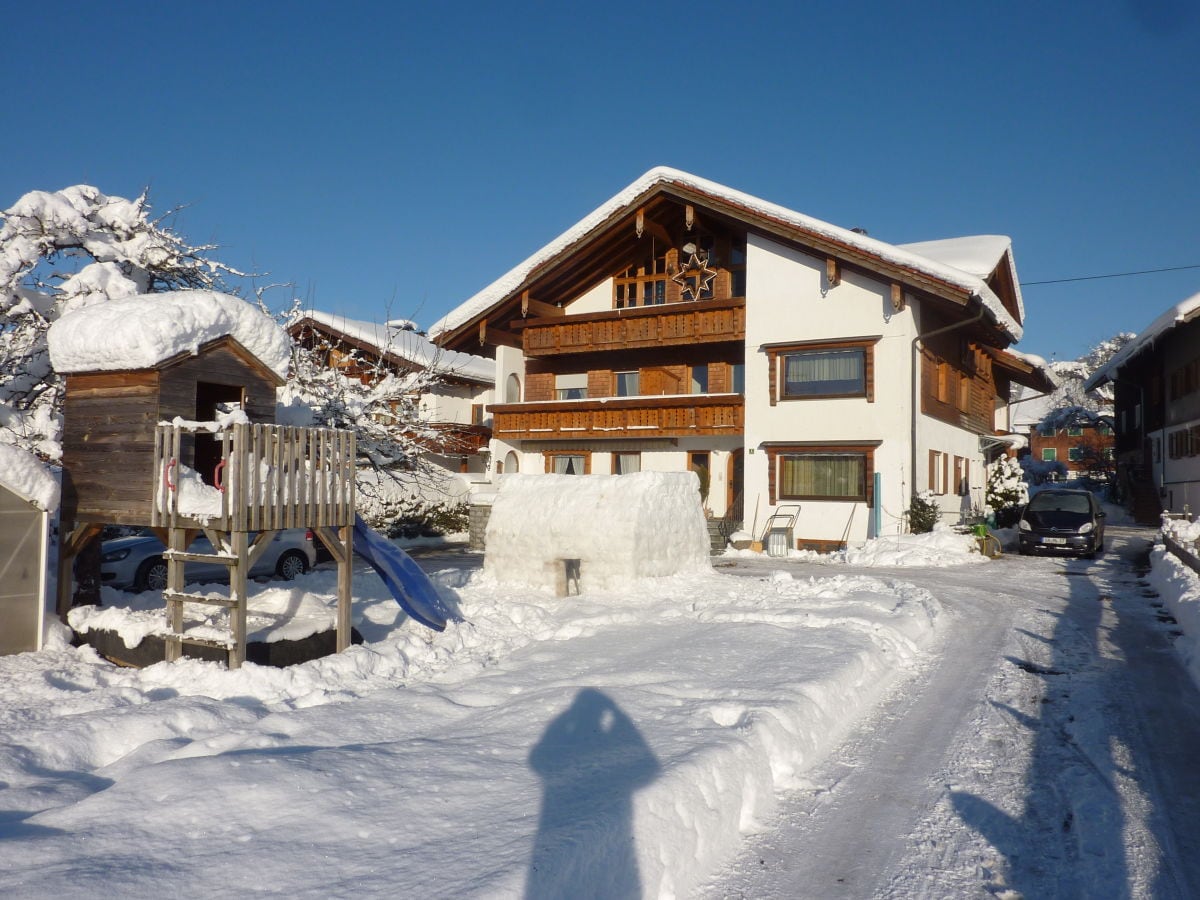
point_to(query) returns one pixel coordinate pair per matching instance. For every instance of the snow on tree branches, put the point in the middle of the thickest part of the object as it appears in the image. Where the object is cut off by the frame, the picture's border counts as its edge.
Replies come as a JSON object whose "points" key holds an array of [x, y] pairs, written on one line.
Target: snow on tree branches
{"points": [[63, 250]]}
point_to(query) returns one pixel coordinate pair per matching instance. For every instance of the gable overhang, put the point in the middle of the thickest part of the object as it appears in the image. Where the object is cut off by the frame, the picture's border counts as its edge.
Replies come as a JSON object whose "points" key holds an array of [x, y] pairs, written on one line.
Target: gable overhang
{"points": [[1024, 370], [235, 347], [587, 252]]}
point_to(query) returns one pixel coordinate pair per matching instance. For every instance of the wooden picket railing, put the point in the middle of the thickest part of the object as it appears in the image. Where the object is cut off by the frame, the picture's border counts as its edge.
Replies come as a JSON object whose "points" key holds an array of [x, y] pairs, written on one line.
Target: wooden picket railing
{"points": [[268, 477]]}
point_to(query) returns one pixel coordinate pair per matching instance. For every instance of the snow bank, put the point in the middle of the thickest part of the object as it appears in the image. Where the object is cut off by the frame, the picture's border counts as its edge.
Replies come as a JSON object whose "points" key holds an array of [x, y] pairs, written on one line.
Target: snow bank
{"points": [[1179, 587], [140, 332], [939, 548], [620, 527], [28, 477]]}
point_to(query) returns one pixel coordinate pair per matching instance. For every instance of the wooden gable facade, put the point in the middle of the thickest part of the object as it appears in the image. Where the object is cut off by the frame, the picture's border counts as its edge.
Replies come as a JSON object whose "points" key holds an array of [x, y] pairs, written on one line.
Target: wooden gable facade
{"points": [[110, 419]]}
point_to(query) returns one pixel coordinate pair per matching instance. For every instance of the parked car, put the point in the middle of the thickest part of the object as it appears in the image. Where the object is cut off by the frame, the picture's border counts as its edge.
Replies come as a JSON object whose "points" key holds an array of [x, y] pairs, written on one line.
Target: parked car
{"points": [[1062, 521], [136, 562]]}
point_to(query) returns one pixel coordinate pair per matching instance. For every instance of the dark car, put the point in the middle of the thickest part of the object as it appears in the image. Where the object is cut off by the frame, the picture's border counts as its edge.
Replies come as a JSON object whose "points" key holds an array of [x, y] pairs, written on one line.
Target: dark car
{"points": [[1062, 521]]}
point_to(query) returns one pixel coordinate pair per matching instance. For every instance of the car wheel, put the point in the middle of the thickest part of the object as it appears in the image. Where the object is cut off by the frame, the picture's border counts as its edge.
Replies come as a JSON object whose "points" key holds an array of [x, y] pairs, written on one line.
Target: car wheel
{"points": [[151, 575], [290, 565]]}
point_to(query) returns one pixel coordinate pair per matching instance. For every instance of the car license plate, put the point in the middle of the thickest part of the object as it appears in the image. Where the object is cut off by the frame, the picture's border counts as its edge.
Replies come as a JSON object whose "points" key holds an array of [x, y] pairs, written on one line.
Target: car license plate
{"points": [[1055, 541]]}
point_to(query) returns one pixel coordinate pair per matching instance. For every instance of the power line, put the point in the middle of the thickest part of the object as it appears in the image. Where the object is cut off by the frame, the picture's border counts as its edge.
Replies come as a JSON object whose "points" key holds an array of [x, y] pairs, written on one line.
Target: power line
{"points": [[1112, 275]]}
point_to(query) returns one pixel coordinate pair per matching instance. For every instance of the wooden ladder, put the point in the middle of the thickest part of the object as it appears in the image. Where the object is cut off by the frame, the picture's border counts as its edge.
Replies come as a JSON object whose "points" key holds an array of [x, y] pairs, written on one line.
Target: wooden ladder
{"points": [[237, 558]]}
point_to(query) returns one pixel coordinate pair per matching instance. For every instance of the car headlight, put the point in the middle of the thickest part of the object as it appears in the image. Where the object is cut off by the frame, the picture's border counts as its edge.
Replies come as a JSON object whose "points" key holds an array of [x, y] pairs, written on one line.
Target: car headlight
{"points": [[1025, 526], [1086, 528], [115, 555]]}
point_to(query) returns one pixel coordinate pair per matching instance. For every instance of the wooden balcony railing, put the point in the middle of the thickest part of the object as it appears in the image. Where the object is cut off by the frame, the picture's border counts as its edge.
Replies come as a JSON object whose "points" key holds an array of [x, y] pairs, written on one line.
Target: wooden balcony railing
{"points": [[670, 324], [621, 417]]}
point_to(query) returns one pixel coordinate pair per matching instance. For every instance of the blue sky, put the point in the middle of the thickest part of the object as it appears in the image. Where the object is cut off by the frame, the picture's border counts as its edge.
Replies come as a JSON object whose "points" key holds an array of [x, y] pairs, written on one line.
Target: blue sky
{"points": [[394, 158]]}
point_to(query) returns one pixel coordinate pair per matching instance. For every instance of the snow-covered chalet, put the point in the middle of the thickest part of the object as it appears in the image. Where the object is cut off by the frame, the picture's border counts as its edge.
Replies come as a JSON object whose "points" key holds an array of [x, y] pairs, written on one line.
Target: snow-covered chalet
{"points": [[793, 364]]}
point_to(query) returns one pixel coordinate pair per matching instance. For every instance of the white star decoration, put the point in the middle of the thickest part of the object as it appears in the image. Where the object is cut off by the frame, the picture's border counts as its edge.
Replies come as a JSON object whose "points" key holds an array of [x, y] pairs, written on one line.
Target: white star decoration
{"points": [[694, 277]]}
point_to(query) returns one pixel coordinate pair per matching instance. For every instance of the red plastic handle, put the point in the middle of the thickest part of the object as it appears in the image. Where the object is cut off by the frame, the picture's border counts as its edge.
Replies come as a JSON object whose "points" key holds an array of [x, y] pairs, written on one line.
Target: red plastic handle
{"points": [[217, 476], [167, 475]]}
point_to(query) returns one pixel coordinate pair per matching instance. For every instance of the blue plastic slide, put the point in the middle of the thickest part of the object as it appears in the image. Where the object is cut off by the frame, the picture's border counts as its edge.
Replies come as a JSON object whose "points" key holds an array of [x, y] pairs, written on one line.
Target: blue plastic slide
{"points": [[409, 585]]}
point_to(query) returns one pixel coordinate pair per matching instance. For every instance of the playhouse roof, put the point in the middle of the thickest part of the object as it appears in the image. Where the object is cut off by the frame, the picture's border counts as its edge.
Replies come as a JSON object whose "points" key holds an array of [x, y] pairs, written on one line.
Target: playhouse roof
{"points": [[970, 282], [143, 331], [28, 477]]}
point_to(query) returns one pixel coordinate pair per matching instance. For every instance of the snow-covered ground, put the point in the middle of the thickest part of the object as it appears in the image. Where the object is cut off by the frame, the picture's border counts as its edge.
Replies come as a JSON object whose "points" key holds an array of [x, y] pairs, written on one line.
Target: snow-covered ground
{"points": [[651, 740]]}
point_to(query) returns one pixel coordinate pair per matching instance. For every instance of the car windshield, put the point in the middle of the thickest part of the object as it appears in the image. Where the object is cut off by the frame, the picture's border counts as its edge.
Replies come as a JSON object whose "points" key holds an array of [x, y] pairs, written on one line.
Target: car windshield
{"points": [[1052, 502]]}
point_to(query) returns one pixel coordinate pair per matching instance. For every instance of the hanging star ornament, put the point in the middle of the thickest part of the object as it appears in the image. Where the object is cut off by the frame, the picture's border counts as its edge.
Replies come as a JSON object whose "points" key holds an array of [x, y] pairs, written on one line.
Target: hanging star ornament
{"points": [[694, 277]]}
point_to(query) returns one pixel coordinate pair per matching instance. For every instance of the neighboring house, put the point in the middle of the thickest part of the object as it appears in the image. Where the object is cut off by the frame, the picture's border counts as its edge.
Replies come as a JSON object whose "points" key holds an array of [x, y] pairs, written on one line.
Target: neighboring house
{"points": [[1083, 443], [1156, 378], [454, 406], [789, 362]]}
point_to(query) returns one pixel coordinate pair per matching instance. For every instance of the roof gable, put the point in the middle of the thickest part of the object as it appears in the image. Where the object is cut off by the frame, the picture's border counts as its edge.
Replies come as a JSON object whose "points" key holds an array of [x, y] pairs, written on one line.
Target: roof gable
{"points": [[628, 209]]}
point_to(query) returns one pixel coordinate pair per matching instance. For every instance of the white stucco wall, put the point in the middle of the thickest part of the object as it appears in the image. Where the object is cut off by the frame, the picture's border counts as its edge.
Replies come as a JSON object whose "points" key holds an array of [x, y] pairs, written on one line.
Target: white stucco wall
{"points": [[595, 299], [788, 299]]}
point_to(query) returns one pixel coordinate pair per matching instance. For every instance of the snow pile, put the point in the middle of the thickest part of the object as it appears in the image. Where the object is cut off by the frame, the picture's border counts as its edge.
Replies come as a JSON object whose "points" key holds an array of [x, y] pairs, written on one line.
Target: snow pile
{"points": [[1179, 587], [27, 477], [939, 548], [620, 527], [628, 738], [142, 331], [1181, 530]]}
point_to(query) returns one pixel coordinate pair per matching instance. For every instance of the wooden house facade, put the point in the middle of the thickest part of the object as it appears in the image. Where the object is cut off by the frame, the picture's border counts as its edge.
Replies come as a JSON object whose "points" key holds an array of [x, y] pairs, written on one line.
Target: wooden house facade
{"points": [[788, 362]]}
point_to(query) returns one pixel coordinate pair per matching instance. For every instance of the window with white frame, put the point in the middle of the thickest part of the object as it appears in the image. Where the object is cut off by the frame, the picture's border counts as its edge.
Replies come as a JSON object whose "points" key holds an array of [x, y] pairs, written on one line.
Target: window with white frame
{"points": [[939, 473], [569, 464]]}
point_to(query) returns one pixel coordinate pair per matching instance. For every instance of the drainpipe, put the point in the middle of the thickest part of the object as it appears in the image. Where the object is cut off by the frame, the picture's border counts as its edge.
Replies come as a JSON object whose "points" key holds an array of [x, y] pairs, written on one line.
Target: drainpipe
{"points": [[916, 374]]}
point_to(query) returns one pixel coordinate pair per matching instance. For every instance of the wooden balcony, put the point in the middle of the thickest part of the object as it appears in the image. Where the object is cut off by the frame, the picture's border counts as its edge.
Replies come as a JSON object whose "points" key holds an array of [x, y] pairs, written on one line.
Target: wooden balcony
{"points": [[621, 418], [669, 324], [457, 440]]}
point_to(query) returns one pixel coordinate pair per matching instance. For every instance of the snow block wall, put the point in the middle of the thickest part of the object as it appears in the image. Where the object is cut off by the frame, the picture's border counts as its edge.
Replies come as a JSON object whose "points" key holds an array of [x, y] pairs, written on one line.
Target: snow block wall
{"points": [[620, 528]]}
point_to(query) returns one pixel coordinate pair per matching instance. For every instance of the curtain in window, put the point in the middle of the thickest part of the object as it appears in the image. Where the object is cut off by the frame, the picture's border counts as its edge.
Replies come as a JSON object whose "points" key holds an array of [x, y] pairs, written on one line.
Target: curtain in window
{"points": [[824, 372], [568, 465], [824, 475], [627, 463]]}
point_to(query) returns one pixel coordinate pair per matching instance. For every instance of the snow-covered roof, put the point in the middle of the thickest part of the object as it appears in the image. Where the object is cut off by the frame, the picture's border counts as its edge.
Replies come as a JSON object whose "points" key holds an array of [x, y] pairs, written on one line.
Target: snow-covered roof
{"points": [[970, 282], [396, 339], [142, 331], [28, 477], [1184, 311]]}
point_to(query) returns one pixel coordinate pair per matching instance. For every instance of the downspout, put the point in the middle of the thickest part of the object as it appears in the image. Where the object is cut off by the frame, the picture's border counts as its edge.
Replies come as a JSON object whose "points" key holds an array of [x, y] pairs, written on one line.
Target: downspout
{"points": [[916, 394]]}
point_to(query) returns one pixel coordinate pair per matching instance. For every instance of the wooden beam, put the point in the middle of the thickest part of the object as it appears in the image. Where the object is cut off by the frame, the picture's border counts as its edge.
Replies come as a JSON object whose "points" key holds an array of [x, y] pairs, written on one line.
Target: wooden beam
{"points": [[833, 272], [498, 336], [897, 297], [540, 309]]}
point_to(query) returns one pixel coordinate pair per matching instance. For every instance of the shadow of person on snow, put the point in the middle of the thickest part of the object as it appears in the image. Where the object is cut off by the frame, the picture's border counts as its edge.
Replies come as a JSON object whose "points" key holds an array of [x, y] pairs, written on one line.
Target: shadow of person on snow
{"points": [[591, 759]]}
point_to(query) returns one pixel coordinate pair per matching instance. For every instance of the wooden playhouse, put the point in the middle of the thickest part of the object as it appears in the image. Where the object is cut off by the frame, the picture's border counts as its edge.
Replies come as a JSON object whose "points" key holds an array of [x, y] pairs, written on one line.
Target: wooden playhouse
{"points": [[196, 413]]}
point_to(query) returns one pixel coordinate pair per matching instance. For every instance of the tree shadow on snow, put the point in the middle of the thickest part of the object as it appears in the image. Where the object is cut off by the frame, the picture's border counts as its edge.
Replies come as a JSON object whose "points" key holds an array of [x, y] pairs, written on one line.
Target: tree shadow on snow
{"points": [[591, 760], [1090, 753]]}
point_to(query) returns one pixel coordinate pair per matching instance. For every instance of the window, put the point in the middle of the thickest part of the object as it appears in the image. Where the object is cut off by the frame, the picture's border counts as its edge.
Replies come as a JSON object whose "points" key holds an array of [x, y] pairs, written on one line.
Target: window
{"points": [[1049, 454], [699, 380], [571, 387], [962, 476], [943, 382], [1075, 431], [738, 378], [964, 393], [512, 463], [1047, 431], [825, 373], [568, 464], [627, 384], [1075, 454], [512, 389], [939, 463], [626, 463], [823, 476]]}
